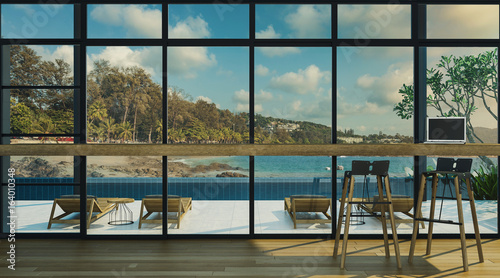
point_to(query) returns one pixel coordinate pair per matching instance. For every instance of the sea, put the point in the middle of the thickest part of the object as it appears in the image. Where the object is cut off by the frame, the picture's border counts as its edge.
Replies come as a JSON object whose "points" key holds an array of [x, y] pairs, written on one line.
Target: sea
{"points": [[311, 166]]}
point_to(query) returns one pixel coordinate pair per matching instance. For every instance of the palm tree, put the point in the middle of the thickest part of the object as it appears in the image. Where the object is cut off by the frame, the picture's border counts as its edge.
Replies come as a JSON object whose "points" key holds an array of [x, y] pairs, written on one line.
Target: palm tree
{"points": [[125, 131], [109, 126], [43, 125], [97, 110]]}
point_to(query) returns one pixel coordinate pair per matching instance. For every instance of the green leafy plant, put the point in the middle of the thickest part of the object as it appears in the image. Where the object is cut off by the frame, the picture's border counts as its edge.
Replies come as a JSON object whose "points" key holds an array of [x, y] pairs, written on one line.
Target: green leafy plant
{"points": [[485, 183]]}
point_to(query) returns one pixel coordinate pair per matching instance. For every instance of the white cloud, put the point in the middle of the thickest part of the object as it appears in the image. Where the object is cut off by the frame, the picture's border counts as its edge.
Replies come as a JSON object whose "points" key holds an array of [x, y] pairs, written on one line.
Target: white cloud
{"points": [[242, 107], [263, 96], [269, 33], [27, 9], [148, 58], [304, 81], [310, 21], [64, 52], [278, 51], [189, 28], [241, 96], [261, 70], [186, 61], [462, 21], [138, 20], [383, 90], [374, 21], [206, 99], [258, 108]]}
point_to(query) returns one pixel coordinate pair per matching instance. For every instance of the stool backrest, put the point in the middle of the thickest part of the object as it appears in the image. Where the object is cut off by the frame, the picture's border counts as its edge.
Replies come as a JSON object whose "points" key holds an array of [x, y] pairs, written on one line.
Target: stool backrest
{"points": [[361, 167], [459, 165]]}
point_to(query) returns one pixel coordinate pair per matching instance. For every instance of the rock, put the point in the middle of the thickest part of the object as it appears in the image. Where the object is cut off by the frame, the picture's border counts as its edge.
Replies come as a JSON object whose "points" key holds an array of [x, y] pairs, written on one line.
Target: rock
{"points": [[231, 175], [95, 174]]}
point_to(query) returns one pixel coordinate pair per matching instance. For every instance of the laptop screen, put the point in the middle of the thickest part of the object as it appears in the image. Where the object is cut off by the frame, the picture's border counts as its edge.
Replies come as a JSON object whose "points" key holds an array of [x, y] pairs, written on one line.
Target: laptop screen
{"points": [[446, 129]]}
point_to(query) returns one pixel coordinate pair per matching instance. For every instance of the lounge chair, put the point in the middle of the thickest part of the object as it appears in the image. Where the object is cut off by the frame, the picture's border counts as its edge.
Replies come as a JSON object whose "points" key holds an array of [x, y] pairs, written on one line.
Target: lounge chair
{"points": [[400, 203], [154, 203], [71, 204], [308, 203]]}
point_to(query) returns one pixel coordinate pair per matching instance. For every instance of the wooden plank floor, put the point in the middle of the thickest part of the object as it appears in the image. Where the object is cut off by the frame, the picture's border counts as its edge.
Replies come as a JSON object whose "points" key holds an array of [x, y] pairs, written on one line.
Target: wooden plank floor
{"points": [[240, 258]]}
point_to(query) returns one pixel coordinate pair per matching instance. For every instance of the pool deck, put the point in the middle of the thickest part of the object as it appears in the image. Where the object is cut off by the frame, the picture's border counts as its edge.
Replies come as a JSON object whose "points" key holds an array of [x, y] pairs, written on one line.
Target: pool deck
{"points": [[232, 218]]}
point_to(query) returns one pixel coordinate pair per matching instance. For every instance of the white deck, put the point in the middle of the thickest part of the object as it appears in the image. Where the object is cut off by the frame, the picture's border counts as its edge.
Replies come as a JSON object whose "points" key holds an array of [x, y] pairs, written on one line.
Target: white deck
{"points": [[232, 217]]}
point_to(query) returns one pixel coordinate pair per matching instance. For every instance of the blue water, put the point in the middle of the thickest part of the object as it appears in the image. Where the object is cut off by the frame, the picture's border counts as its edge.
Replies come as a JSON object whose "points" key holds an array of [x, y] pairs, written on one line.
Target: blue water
{"points": [[302, 166]]}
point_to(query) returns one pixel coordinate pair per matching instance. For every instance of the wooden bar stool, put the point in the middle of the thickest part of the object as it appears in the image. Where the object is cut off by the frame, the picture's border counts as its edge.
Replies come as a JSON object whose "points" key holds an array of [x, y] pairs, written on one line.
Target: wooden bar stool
{"points": [[380, 169], [457, 169]]}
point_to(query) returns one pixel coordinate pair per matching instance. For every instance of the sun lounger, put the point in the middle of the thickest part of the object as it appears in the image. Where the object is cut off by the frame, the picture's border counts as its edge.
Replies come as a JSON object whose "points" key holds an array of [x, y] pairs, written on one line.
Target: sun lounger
{"points": [[96, 208], [154, 203], [308, 204], [400, 203]]}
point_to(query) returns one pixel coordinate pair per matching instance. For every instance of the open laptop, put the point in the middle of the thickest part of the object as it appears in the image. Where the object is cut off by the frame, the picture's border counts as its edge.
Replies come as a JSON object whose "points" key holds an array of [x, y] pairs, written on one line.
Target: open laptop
{"points": [[446, 130]]}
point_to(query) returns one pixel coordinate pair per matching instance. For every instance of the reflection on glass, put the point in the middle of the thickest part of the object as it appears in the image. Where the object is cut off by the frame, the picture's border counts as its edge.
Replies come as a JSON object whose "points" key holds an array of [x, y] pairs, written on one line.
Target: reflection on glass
{"points": [[374, 21], [448, 72], [124, 101], [40, 65], [208, 95], [23, 21], [124, 182], [462, 21], [280, 179], [401, 179], [208, 21], [484, 172], [124, 21], [293, 95], [292, 21], [370, 84]]}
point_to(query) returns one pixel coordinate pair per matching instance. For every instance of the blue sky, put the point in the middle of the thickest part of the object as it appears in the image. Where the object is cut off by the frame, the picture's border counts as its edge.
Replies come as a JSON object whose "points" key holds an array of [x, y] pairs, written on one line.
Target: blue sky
{"points": [[293, 83]]}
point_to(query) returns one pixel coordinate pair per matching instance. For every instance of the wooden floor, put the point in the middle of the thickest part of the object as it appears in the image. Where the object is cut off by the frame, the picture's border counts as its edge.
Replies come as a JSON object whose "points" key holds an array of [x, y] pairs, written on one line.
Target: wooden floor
{"points": [[239, 258]]}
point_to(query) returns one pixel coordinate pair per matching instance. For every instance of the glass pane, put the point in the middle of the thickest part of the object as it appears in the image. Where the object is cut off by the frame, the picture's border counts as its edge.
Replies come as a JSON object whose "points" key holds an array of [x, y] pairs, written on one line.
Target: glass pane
{"points": [[39, 181], [484, 185], [293, 95], [448, 73], [214, 192], [119, 184], [124, 95], [370, 84], [462, 21], [39, 65], [23, 21], [208, 95], [278, 179], [40, 111], [293, 21], [124, 21], [365, 189], [374, 21], [208, 21]]}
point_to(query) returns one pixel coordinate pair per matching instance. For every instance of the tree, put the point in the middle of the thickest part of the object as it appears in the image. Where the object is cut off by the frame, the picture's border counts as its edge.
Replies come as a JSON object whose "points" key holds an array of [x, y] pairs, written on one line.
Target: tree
{"points": [[125, 131], [20, 118], [97, 111], [109, 126], [456, 85]]}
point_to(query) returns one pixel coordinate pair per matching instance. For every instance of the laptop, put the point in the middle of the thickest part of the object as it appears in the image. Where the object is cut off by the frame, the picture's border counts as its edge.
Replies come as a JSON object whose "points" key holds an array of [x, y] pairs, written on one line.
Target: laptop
{"points": [[446, 130]]}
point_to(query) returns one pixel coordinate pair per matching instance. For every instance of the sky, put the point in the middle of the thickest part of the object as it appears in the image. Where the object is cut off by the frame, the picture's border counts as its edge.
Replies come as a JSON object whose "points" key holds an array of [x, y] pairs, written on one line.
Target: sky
{"points": [[293, 82]]}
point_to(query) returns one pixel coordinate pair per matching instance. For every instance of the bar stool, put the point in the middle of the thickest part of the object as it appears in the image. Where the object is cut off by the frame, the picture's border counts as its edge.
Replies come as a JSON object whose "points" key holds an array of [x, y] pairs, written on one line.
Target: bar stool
{"points": [[380, 169], [458, 169]]}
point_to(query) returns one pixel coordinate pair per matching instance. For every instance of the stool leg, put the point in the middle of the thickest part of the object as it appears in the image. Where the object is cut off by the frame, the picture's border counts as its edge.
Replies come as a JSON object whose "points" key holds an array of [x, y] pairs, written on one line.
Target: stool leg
{"points": [[393, 224], [346, 226], [417, 212], [383, 218], [474, 220], [433, 210], [462, 225], [340, 217]]}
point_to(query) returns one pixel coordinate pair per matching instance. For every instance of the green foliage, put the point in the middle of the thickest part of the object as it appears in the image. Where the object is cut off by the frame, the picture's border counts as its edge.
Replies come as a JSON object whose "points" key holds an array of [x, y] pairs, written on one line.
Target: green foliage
{"points": [[21, 118], [456, 84], [485, 183]]}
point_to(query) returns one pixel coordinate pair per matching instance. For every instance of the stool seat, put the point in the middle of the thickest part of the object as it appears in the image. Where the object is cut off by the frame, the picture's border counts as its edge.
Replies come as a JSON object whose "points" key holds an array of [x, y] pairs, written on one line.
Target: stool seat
{"points": [[379, 169], [458, 169]]}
